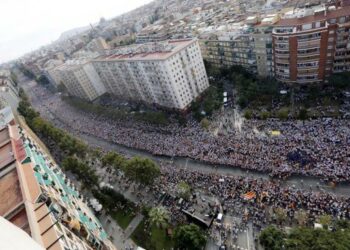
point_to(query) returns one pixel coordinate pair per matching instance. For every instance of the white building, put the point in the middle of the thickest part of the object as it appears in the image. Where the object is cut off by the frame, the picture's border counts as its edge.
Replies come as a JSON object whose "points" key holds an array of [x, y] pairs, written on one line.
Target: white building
{"points": [[98, 44], [81, 79], [50, 72], [170, 74]]}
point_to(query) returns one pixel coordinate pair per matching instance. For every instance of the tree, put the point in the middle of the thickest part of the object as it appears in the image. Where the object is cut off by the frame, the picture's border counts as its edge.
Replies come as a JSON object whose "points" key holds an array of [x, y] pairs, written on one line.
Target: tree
{"points": [[189, 237], [282, 114], [342, 224], [310, 239], [86, 174], [27, 111], [248, 114], [325, 220], [281, 215], [339, 81], [303, 114], [43, 80], [61, 87], [142, 170], [305, 238], [113, 159], [243, 101], [212, 100], [183, 190], [264, 115], [301, 217], [205, 123], [14, 78], [272, 238], [159, 217]]}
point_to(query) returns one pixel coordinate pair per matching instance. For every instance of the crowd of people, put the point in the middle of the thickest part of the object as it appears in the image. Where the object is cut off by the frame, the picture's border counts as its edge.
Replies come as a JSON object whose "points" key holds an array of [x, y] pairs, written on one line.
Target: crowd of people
{"points": [[269, 196], [324, 142], [315, 148]]}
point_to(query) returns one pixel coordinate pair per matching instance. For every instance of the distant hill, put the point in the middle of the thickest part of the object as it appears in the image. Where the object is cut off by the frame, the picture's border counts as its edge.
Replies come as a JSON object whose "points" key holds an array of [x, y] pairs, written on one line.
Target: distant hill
{"points": [[73, 32]]}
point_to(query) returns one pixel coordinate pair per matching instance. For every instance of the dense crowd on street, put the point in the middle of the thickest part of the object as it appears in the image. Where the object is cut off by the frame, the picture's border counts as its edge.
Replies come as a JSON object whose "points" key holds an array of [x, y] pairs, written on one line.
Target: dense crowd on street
{"points": [[316, 147], [230, 190]]}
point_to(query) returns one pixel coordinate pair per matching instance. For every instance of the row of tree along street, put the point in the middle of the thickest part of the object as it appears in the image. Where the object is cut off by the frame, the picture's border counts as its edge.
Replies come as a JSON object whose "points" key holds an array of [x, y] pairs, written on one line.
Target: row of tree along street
{"points": [[75, 156], [264, 98]]}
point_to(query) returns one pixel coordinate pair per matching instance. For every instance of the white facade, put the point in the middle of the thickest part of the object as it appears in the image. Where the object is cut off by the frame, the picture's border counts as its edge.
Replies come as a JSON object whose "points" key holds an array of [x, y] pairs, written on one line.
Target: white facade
{"points": [[98, 44], [171, 77], [80, 79]]}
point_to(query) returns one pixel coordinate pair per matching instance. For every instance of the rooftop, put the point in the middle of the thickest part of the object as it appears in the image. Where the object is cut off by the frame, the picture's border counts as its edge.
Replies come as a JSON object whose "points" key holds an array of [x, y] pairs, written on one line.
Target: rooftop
{"points": [[10, 193], [6, 154], [148, 51], [345, 11]]}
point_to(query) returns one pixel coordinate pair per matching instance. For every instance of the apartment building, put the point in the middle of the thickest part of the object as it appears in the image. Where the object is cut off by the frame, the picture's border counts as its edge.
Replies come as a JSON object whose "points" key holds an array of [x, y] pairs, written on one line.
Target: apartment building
{"points": [[311, 44], [263, 46], [231, 48], [50, 73], [80, 79], [169, 74], [98, 44], [37, 197], [154, 33]]}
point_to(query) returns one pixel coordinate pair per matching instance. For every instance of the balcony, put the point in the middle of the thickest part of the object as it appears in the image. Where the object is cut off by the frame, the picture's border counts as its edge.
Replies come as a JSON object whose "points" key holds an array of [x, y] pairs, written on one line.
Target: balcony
{"points": [[282, 61], [284, 30], [307, 71], [311, 54]]}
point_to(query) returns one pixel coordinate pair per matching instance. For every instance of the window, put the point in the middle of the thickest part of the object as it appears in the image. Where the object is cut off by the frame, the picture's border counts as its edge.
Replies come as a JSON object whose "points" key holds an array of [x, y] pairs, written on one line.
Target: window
{"points": [[332, 21], [307, 26]]}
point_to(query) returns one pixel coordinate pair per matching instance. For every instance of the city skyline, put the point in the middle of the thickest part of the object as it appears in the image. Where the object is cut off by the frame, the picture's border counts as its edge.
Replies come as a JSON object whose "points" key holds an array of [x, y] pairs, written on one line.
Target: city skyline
{"points": [[38, 23]]}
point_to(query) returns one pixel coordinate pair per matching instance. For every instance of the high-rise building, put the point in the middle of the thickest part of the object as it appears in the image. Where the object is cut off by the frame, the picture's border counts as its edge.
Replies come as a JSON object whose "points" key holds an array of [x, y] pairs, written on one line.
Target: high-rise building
{"points": [[247, 44], [80, 79], [235, 47], [311, 44], [169, 74], [36, 196], [263, 49]]}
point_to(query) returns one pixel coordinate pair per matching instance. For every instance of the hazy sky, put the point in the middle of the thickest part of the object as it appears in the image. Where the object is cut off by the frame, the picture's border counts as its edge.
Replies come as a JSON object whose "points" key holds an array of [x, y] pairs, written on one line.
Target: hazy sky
{"points": [[26, 25]]}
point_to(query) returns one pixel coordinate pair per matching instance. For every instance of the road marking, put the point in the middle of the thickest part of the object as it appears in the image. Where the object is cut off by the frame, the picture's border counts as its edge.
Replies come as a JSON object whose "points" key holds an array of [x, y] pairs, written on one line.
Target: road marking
{"points": [[248, 243]]}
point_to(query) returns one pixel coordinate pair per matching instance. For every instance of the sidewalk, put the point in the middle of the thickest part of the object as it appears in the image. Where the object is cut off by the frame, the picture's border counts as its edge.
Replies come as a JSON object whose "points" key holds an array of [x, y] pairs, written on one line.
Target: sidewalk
{"points": [[117, 234], [133, 225]]}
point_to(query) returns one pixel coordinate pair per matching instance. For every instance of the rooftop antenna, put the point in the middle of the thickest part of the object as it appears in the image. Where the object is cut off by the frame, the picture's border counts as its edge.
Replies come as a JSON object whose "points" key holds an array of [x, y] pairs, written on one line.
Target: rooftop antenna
{"points": [[92, 29]]}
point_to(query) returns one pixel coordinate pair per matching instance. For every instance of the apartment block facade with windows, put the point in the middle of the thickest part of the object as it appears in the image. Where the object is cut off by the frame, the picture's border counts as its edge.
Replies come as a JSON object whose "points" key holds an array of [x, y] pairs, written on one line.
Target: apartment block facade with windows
{"points": [[169, 74], [37, 196], [231, 49], [263, 50], [310, 48], [247, 44], [80, 79]]}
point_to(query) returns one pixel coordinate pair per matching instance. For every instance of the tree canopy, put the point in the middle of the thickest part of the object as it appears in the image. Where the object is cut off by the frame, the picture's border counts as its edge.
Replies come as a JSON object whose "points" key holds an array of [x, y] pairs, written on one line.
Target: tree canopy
{"points": [[159, 217], [272, 238], [142, 170], [189, 237], [184, 190], [307, 238], [114, 160], [86, 174]]}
